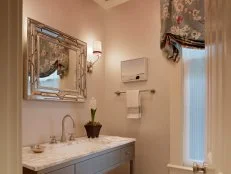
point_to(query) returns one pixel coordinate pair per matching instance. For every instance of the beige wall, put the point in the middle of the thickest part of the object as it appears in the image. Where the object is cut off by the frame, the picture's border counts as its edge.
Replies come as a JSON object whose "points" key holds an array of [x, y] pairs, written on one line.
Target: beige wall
{"points": [[227, 91], [133, 31], [82, 19]]}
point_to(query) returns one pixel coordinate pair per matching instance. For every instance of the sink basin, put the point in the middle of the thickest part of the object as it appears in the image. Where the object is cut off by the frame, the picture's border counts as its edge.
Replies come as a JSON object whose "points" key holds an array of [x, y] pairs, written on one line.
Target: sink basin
{"points": [[76, 148]]}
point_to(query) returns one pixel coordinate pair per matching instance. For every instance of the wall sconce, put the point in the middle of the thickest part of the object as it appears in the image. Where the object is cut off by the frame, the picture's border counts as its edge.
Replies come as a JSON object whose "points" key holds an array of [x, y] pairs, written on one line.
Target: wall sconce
{"points": [[97, 52]]}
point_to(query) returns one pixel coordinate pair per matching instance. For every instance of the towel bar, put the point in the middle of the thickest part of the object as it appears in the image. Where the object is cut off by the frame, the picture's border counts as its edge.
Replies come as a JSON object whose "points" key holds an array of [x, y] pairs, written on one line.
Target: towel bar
{"points": [[153, 91]]}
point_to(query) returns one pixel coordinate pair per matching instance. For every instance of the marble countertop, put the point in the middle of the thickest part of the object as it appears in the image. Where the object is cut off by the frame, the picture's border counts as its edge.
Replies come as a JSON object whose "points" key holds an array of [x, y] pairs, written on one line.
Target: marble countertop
{"points": [[55, 154]]}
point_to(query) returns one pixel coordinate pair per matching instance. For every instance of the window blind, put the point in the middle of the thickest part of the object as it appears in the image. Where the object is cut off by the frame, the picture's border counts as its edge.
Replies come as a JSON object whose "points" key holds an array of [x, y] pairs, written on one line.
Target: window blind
{"points": [[194, 105]]}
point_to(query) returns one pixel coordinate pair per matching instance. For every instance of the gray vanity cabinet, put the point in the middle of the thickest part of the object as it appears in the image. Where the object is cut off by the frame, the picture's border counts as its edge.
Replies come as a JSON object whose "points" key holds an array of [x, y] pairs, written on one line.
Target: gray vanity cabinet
{"points": [[127, 153], [84, 167], [98, 163], [66, 170]]}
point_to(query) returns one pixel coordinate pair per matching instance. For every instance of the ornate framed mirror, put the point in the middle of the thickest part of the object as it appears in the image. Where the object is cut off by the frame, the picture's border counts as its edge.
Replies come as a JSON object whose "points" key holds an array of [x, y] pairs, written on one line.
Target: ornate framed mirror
{"points": [[55, 65]]}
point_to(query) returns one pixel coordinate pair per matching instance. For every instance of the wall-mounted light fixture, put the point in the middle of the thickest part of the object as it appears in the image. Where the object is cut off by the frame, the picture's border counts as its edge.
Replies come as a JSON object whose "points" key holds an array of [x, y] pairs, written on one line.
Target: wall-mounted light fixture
{"points": [[97, 52]]}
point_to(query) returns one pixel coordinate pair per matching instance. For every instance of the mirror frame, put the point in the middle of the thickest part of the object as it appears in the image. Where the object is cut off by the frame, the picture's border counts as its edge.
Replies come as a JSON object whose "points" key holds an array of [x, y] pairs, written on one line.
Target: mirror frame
{"points": [[32, 88]]}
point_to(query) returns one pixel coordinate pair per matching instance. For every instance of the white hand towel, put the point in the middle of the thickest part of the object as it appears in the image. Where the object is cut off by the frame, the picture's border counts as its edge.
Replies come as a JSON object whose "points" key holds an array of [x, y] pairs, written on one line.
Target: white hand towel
{"points": [[133, 98], [133, 104]]}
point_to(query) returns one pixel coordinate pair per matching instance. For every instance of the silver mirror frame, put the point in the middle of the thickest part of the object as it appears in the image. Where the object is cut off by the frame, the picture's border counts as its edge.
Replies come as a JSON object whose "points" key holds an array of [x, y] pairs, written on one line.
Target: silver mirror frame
{"points": [[32, 89]]}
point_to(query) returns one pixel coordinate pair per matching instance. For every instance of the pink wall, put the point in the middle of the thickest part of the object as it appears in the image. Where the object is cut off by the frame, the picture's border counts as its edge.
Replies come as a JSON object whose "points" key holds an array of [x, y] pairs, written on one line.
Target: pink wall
{"points": [[84, 20], [133, 31]]}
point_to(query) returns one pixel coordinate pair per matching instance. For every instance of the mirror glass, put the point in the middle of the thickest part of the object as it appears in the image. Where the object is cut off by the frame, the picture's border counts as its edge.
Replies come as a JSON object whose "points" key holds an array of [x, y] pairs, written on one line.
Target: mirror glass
{"points": [[55, 65]]}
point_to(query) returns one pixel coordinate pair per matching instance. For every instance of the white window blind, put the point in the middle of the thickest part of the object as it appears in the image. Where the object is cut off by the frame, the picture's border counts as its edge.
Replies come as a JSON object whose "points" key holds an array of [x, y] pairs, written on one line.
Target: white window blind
{"points": [[194, 105]]}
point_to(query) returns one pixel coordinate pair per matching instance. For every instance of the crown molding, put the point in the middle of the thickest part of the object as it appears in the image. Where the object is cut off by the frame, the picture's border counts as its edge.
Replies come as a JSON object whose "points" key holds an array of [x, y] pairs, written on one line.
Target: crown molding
{"points": [[107, 4]]}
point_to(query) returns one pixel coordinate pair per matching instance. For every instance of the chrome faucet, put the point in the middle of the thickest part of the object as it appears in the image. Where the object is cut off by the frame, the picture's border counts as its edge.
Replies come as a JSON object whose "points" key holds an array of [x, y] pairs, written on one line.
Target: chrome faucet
{"points": [[63, 137]]}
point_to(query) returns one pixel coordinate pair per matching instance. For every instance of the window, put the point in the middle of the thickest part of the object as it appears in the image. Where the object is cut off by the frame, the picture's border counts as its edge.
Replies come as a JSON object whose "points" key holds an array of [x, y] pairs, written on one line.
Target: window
{"points": [[52, 80], [195, 84]]}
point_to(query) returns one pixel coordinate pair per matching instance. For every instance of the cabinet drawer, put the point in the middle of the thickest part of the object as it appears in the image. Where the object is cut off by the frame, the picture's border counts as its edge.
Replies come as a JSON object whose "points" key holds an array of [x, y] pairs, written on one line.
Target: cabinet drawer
{"points": [[66, 170], [127, 153], [99, 163], [113, 158], [84, 167]]}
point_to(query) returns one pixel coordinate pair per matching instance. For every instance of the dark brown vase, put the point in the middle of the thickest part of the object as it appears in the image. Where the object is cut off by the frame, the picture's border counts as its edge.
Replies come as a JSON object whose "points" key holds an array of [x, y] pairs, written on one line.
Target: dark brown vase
{"points": [[93, 130]]}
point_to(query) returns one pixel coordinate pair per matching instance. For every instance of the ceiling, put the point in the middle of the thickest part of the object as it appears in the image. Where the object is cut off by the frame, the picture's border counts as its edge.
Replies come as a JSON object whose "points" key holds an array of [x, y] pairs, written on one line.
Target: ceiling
{"points": [[106, 4]]}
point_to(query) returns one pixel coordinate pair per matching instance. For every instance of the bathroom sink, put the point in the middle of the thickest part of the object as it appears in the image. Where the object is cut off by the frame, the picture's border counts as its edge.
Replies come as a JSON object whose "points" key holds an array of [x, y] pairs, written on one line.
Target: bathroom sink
{"points": [[75, 148]]}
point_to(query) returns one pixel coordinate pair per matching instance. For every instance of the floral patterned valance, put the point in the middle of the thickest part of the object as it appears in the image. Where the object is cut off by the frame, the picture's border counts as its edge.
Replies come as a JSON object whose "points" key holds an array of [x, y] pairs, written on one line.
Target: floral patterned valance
{"points": [[182, 24], [53, 57]]}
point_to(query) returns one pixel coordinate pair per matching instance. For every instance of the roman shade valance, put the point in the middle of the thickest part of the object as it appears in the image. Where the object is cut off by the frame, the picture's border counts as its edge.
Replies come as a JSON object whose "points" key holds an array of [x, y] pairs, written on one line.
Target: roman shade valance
{"points": [[182, 25]]}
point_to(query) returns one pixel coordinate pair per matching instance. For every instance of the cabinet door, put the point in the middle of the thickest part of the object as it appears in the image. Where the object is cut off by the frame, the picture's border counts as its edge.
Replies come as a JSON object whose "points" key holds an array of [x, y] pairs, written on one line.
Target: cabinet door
{"points": [[84, 167], [66, 170], [113, 158], [100, 163]]}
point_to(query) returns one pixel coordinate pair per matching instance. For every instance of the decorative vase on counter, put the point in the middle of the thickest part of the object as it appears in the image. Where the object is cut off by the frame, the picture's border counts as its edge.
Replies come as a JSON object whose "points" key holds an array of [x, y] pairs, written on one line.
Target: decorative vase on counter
{"points": [[93, 128]]}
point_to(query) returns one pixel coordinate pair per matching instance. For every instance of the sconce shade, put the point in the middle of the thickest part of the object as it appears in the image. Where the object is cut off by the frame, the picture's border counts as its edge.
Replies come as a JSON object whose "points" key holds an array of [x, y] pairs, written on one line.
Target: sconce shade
{"points": [[97, 48], [97, 52]]}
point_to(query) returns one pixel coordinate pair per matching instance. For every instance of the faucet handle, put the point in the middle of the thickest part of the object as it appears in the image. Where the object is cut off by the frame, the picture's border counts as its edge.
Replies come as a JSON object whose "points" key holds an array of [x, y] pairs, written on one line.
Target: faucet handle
{"points": [[197, 168], [53, 140], [72, 137], [205, 167]]}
